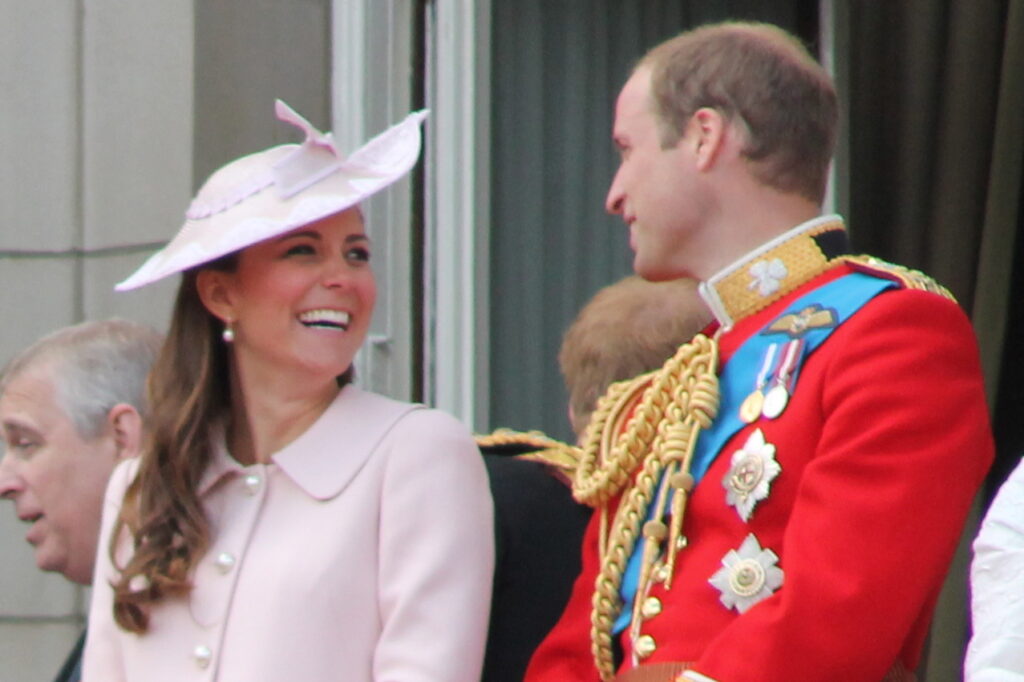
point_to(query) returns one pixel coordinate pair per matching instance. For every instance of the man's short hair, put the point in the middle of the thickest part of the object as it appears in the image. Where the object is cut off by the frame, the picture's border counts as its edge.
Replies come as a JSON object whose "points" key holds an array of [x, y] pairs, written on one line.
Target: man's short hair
{"points": [[628, 328], [95, 366], [763, 80]]}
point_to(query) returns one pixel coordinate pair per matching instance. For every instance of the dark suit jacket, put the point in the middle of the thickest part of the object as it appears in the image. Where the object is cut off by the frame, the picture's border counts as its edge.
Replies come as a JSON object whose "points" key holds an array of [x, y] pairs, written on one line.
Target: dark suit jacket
{"points": [[71, 671], [538, 534]]}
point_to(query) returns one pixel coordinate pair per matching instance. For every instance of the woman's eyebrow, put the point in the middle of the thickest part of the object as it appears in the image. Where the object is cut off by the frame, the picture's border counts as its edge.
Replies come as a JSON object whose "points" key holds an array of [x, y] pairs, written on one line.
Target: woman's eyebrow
{"points": [[312, 234]]}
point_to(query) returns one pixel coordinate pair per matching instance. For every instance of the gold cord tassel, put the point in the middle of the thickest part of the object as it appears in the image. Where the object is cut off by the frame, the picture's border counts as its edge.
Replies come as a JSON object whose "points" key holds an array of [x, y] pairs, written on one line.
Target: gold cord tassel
{"points": [[676, 402]]}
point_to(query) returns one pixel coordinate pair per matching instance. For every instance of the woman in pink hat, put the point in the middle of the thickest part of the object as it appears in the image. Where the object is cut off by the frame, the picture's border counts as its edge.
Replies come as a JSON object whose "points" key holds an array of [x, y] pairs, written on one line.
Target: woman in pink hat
{"points": [[283, 524]]}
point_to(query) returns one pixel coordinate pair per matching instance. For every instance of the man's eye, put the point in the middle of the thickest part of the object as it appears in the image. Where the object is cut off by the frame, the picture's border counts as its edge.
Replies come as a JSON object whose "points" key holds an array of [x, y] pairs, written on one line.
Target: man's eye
{"points": [[23, 445], [359, 254]]}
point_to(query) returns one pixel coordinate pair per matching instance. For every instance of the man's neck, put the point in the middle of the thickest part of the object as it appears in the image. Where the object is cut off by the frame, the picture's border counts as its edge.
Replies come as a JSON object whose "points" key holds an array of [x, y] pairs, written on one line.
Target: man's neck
{"points": [[742, 228]]}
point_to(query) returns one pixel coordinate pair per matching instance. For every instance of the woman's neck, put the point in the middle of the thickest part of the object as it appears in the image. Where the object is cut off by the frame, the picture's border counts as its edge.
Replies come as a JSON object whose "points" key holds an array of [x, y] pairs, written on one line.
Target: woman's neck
{"points": [[268, 415]]}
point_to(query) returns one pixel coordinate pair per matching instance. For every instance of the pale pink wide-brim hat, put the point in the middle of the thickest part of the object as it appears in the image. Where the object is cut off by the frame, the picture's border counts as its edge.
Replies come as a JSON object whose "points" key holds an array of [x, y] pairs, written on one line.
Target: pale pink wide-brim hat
{"points": [[282, 188]]}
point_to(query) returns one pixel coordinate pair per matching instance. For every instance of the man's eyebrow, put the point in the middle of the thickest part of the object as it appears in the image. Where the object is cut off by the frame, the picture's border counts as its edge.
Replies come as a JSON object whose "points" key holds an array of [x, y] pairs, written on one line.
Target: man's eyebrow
{"points": [[14, 425]]}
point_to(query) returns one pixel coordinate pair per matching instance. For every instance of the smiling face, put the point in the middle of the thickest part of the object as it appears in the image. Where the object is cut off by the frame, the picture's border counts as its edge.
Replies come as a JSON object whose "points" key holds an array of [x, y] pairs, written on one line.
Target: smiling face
{"points": [[300, 304], [654, 189], [54, 476]]}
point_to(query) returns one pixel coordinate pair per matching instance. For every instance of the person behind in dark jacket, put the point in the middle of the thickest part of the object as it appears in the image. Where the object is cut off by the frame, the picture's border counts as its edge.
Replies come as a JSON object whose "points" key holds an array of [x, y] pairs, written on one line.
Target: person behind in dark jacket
{"points": [[71, 406], [628, 328]]}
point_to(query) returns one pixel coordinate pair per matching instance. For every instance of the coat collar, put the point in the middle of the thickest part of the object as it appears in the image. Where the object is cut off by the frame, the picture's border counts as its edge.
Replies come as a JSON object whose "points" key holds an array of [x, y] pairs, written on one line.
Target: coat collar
{"points": [[328, 455], [774, 269]]}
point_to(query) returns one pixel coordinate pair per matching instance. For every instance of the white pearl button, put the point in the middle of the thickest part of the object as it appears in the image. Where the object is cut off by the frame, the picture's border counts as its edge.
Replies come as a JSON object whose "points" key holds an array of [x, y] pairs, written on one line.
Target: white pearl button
{"points": [[224, 562], [252, 484], [203, 655]]}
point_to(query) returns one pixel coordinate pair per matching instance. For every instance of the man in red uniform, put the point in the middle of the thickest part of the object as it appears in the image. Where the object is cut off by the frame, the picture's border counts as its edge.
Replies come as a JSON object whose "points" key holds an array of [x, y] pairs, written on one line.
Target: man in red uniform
{"points": [[782, 500]]}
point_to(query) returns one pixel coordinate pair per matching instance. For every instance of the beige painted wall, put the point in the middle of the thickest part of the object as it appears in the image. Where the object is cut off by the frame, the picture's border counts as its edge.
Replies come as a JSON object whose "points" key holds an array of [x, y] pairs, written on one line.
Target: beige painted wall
{"points": [[95, 140], [99, 155]]}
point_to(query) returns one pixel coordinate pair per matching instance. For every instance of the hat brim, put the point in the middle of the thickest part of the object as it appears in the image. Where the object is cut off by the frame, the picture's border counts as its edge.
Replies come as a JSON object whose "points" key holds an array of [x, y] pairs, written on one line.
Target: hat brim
{"points": [[264, 213]]}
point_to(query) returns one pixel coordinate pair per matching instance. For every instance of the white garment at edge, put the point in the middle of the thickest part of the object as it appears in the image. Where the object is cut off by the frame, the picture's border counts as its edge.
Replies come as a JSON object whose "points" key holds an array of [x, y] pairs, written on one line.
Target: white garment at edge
{"points": [[996, 650]]}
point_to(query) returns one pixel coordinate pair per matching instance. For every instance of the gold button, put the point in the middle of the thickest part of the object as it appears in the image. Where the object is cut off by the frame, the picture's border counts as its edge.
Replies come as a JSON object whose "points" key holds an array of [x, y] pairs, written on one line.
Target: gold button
{"points": [[645, 646], [651, 607], [661, 574]]}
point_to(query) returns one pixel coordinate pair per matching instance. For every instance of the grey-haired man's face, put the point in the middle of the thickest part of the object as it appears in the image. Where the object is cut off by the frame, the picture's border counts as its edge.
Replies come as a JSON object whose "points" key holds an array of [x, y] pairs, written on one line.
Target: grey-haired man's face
{"points": [[54, 476]]}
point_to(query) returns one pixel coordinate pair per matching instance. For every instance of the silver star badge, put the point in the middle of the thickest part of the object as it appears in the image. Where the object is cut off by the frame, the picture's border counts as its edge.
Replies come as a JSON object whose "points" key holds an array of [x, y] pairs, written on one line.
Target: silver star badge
{"points": [[750, 475], [747, 576]]}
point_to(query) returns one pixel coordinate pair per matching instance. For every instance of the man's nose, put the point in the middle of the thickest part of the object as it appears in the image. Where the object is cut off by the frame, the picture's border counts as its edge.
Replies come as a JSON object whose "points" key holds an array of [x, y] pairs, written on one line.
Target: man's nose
{"points": [[614, 201], [10, 481]]}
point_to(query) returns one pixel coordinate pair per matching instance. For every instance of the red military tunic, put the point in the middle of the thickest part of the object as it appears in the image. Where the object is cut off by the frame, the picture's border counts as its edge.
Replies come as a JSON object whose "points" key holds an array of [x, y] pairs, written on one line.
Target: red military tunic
{"points": [[881, 448]]}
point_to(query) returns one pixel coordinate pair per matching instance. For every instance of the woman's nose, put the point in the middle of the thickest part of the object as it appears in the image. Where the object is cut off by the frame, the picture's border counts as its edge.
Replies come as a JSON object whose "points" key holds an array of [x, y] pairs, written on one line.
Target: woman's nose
{"points": [[336, 272]]}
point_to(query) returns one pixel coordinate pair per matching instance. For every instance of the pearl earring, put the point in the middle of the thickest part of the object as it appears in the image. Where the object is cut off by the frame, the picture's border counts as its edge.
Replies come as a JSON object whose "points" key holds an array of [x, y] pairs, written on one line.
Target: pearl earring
{"points": [[228, 334]]}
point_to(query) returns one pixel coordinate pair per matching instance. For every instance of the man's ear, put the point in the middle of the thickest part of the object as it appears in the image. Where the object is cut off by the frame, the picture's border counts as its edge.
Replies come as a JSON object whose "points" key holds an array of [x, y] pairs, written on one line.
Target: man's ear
{"points": [[126, 427], [215, 292], [707, 132]]}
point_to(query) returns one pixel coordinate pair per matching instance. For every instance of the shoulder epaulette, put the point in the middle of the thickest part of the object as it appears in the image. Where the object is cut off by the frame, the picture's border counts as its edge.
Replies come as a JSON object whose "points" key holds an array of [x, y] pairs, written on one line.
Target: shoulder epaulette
{"points": [[910, 279], [531, 446]]}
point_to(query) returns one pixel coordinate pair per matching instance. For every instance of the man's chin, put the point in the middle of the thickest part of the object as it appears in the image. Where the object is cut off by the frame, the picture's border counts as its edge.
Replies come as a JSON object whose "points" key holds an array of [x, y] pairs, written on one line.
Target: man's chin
{"points": [[46, 561], [653, 272]]}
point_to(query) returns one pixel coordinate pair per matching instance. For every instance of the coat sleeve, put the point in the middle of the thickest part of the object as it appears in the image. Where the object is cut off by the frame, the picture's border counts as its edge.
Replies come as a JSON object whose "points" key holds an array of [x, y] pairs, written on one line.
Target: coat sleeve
{"points": [[565, 653], [436, 554], [996, 650], [102, 660], [905, 443]]}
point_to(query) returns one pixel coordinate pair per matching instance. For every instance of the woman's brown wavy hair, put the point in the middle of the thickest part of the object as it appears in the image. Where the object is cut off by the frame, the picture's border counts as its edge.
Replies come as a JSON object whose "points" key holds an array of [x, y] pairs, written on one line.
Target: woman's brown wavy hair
{"points": [[189, 392], [189, 397]]}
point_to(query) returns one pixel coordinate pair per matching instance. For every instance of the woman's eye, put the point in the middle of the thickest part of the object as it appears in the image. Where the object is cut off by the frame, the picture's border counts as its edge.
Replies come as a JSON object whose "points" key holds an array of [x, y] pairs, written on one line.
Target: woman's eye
{"points": [[300, 250], [360, 254]]}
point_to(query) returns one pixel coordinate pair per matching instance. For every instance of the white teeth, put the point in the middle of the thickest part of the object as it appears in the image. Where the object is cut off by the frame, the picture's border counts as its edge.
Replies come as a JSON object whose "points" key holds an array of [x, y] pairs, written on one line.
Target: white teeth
{"points": [[325, 317]]}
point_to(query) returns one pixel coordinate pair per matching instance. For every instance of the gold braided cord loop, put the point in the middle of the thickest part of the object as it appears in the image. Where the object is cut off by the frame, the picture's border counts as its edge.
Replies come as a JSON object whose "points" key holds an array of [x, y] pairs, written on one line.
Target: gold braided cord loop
{"points": [[682, 398], [600, 475], [564, 458], [535, 439], [548, 451]]}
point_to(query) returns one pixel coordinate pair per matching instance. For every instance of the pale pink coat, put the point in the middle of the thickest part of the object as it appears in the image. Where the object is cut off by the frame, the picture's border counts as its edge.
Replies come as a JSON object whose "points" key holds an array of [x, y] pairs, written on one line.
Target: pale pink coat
{"points": [[363, 552]]}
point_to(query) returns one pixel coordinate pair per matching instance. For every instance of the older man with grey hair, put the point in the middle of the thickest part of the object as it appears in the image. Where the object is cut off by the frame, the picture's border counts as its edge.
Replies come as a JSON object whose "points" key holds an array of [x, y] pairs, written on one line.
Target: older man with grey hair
{"points": [[71, 406]]}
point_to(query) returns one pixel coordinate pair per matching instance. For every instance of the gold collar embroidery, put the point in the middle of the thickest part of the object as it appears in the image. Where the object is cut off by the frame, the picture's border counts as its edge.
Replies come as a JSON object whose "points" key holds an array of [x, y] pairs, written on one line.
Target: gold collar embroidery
{"points": [[770, 272]]}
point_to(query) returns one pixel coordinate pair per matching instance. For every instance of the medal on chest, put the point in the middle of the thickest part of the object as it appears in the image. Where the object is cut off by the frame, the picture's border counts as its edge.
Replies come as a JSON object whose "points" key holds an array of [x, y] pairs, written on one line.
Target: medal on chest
{"points": [[750, 408], [748, 575], [752, 470], [783, 379]]}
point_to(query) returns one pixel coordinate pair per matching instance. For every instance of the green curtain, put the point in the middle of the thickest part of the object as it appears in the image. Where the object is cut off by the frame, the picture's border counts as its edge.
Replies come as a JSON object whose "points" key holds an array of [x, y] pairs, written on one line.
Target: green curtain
{"points": [[936, 147], [558, 66]]}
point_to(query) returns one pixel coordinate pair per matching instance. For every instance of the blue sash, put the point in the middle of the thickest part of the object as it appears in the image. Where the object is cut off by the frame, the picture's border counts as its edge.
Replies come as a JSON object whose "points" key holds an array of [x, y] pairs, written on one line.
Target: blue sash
{"points": [[845, 296]]}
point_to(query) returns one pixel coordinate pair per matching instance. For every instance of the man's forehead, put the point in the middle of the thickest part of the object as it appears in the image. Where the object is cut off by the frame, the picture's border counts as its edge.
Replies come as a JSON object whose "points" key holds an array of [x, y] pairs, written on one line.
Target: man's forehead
{"points": [[29, 400], [634, 98]]}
